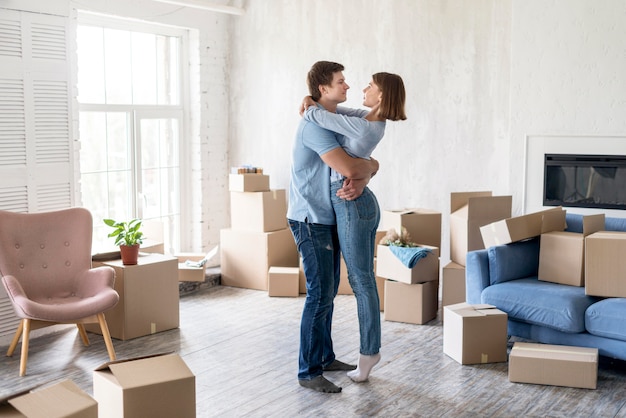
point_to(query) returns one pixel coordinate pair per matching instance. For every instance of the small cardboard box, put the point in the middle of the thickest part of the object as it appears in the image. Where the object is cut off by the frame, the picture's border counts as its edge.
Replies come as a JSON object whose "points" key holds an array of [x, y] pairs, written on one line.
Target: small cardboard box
{"points": [[452, 284], [61, 400], [523, 227], [468, 212], [250, 182], [605, 264], [153, 386], [555, 365], [388, 266], [258, 211], [474, 334], [149, 297], [283, 281], [561, 254], [424, 225], [247, 256], [411, 303], [188, 273]]}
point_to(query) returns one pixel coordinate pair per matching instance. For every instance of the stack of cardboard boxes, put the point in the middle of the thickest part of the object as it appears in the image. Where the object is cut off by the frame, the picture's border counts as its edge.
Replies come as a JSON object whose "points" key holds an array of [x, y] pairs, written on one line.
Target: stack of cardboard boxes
{"points": [[411, 294], [258, 237], [468, 212]]}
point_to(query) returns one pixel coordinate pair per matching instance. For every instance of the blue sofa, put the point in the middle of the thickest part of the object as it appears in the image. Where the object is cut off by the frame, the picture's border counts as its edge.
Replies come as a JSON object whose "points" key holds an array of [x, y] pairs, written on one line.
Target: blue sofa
{"points": [[506, 276]]}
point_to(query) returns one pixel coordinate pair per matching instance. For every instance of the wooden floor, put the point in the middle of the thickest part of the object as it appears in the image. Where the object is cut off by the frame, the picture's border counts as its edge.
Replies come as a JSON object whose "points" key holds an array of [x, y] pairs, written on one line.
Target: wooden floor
{"points": [[242, 346]]}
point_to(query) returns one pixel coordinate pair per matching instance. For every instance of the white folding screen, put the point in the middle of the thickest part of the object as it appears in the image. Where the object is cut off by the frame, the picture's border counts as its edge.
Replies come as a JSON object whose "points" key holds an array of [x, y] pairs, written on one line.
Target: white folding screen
{"points": [[36, 146]]}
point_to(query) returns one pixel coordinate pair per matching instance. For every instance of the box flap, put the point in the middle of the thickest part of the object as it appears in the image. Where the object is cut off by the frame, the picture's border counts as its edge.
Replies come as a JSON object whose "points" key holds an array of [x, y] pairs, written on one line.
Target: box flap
{"points": [[149, 370], [593, 223], [458, 200], [60, 400], [553, 220]]}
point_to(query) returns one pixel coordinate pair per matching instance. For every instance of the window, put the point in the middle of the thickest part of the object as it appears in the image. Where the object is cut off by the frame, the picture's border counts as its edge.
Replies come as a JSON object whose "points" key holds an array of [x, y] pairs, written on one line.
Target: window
{"points": [[131, 114]]}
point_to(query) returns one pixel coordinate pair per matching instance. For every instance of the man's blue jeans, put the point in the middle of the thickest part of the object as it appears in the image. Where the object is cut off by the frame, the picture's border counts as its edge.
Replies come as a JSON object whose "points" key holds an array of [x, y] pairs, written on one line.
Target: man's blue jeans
{"points": [[319, 248], [357, 221]]}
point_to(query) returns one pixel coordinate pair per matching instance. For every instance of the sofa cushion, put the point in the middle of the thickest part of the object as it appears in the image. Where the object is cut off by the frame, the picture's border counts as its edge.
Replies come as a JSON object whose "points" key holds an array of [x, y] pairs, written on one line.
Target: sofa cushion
{"points": [[606, 318], [552, 305], [513, 261]]}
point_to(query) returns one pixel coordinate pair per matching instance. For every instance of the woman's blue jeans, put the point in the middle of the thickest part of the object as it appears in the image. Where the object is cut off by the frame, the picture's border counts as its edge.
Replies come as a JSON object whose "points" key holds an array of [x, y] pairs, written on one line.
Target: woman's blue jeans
{"points": [[319, 248], [357, 221]]}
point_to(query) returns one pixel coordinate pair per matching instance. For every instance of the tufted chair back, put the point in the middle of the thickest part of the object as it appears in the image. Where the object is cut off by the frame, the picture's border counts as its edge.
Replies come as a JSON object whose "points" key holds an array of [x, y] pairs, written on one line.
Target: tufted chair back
{"points": [[46, 251]]}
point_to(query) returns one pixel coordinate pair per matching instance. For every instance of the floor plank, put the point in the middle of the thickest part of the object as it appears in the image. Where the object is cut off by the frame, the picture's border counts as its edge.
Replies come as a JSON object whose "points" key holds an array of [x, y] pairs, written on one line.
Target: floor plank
{"points": [[242, 345]]}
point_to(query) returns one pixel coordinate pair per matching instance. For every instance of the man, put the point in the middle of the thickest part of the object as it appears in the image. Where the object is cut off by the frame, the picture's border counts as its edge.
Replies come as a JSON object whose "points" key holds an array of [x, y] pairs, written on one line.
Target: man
{"points": [[312, 222]]}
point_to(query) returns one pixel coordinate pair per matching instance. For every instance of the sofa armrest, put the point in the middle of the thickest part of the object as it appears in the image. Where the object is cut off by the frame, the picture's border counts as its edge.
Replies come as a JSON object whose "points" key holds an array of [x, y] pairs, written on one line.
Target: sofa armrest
{"points": [[476, 275]]}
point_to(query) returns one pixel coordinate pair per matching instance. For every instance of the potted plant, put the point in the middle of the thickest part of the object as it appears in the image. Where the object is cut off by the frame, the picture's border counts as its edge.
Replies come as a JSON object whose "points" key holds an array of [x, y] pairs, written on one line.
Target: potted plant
{"points": [[129, 237]]}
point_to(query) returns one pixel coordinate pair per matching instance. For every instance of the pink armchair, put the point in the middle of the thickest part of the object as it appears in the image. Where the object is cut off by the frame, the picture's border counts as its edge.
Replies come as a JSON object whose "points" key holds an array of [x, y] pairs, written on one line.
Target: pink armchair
{"points": [[45, 265]]}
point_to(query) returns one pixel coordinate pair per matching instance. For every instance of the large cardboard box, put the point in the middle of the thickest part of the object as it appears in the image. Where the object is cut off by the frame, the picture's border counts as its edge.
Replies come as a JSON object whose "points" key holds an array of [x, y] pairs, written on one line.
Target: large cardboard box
{"points": [[605, 264], [523, 227], [474, 334], [468, 212], [283, 281], [556, 365], [411, 303], [389, 266], [60, 400], [561, 254], [452, 284], [250, 182], [154, 386], [247, 256], [258, 211], [424, 225], [149, 297]]}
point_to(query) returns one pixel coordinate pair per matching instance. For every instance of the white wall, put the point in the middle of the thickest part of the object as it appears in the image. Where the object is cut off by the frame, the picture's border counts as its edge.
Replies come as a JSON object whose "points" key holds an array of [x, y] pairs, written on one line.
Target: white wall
{"points": [[454, 57]]}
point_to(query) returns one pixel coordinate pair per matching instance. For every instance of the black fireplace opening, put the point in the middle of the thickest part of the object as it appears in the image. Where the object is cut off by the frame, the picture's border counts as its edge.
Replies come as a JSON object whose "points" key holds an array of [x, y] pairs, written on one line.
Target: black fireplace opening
{"points": [[585, 181]]}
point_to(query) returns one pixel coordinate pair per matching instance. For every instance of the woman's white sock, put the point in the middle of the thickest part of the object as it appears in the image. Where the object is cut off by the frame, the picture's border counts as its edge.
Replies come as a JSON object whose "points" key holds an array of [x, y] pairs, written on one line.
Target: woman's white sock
{"points": [[366, 363]]}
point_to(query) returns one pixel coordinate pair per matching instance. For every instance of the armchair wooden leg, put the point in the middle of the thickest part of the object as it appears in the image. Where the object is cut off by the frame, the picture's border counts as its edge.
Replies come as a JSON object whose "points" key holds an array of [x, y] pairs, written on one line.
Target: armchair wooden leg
{"points": [[83, 333], [16, 338], [25, 336], [107, 336]]}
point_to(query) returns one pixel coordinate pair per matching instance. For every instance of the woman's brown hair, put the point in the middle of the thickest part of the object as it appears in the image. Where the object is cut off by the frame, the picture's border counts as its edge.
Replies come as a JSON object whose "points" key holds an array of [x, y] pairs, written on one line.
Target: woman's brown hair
{"points": [[393, 96]]}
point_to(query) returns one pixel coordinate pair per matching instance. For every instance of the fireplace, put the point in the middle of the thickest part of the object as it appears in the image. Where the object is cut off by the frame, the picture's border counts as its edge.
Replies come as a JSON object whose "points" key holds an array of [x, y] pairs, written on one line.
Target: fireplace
{"points": [[585, 181]]}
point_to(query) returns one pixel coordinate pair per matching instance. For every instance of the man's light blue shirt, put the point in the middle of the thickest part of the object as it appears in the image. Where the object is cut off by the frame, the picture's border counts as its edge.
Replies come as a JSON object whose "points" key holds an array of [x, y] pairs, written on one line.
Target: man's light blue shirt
{"points": [[309, 189]]}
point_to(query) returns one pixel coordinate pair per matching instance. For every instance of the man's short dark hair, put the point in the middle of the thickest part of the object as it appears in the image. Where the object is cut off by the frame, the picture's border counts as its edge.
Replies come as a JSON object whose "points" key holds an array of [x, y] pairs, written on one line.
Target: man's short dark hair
{"points": [[321, 74]]}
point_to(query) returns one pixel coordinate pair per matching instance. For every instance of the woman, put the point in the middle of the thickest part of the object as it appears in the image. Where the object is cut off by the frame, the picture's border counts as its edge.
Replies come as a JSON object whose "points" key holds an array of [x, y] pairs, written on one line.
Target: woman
{"points": [[357, 220]]}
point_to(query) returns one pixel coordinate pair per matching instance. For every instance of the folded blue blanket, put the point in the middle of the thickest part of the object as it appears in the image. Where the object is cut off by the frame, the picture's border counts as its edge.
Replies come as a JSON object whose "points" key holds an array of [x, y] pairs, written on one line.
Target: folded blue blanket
{"points": [[409, 256]]}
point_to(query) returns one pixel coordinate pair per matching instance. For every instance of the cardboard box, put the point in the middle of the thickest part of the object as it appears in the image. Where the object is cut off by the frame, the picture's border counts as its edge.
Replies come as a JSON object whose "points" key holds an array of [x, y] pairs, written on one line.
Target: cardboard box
{"points": [[149, 297], [380, 234], [555, 365], [605, 264], [380, 287], [188, 273], [411, 303], [283, 281], [154, 386], [474, 334], [424, 225], [344, 283], [258, 211], [247, 256], [250, 182], [468, 212], [523, 227], [452, 284], [388, 266], [61, 400], [561, 254]]}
